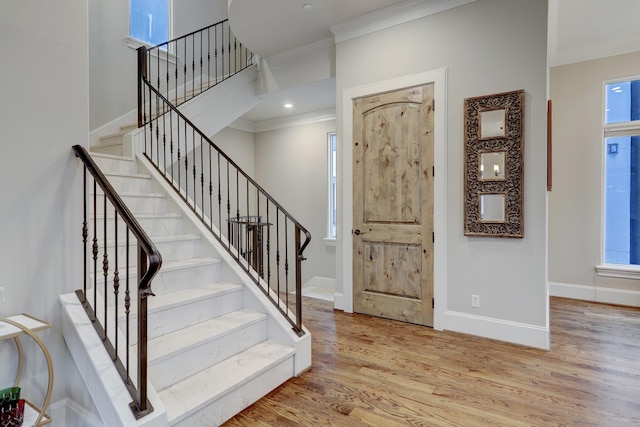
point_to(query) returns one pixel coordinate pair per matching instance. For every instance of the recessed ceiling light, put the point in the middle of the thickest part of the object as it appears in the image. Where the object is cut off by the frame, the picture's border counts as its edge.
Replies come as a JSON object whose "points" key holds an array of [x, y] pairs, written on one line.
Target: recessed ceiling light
{"points": [[307, 6], [288, 105]]}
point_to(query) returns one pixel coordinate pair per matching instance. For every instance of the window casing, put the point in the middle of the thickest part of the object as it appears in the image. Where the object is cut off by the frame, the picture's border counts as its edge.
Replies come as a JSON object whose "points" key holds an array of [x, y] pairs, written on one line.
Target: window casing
{"points": [[332, 230], [621, 131], [149, 21]]}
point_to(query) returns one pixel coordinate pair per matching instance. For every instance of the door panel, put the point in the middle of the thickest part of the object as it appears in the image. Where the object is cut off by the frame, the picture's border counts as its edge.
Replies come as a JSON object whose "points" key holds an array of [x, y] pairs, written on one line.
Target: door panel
{"points": [[393, 205]]}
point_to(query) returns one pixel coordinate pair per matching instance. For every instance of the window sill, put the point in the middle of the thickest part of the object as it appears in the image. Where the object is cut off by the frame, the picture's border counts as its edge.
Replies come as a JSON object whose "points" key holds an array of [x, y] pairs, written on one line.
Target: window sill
{"points": [[330, 241], [135, 44], [622, 271]]}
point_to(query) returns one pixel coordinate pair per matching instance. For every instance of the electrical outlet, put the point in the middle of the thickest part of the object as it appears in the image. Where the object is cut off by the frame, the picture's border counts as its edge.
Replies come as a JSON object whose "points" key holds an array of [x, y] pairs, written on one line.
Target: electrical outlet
{"points": [[475, 300]]}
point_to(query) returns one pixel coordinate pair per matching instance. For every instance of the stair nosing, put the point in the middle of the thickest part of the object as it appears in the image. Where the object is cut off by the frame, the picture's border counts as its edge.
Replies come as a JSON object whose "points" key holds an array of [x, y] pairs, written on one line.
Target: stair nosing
{"points": [[113, 157], [128, 175], [157, 239]]}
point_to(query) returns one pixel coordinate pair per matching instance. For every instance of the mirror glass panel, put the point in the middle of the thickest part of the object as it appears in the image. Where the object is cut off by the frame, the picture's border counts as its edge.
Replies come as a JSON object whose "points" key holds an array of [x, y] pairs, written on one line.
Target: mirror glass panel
{"points": [[492, 207], [492, 123], [492, 166]]}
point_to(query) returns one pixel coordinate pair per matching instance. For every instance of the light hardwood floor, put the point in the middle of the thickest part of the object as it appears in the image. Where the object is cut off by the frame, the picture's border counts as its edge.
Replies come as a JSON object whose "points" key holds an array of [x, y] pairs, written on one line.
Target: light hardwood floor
{"points": [[369, 371]]}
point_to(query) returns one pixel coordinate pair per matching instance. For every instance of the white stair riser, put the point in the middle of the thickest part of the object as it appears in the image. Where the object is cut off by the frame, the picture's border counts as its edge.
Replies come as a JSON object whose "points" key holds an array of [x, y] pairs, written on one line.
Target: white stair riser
{"points": [[166, 281], [115, 139], [187, 278], [238, 399], [171, 319], [172, 250], [171, 370], [136, 203], [155, 226], [123, 166], [114, 150], [130, 184]]}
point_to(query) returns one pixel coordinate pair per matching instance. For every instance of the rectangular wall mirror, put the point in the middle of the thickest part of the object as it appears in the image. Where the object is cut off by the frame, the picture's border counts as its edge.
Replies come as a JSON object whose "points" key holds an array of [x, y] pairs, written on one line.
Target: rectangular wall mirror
{"points": [[494, 137], [492, 123], [492, 166], [492, 207]]}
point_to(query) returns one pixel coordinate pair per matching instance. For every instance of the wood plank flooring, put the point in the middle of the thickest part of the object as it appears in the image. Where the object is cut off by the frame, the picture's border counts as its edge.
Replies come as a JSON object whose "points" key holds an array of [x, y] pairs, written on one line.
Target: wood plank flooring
{"points": [[369, 371]]}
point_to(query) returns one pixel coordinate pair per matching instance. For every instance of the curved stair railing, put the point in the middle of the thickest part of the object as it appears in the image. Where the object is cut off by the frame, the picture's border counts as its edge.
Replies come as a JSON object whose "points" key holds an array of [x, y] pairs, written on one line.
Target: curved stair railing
{"points": [[109, 231], [265, 240]]}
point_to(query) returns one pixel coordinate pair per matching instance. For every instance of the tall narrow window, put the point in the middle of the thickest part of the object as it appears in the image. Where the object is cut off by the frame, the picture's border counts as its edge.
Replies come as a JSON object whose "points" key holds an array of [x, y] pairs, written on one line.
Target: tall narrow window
{"points": [[622, 172], [333, 168], [149, 21]]}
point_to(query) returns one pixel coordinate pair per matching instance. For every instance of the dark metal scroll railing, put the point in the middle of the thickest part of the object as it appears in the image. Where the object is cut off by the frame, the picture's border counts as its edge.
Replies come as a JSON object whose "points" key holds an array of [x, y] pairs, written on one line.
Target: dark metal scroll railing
{"points": [[123, 261], [183, 68], [264, 239]]}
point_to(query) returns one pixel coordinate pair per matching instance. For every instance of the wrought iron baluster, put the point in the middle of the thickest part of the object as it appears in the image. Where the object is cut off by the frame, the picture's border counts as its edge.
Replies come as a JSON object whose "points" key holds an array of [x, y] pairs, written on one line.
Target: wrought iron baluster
{"points": [[286, 261], [95, 246], [127, 307], [202, 178], [85, 233], [278, 253], [210, 191], [105, 267], [268, 248], [116, 282]]}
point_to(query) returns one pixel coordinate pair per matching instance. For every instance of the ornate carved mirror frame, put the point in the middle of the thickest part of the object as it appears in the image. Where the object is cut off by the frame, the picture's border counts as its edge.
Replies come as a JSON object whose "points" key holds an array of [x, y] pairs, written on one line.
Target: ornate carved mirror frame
{"points": [[493, 170]]}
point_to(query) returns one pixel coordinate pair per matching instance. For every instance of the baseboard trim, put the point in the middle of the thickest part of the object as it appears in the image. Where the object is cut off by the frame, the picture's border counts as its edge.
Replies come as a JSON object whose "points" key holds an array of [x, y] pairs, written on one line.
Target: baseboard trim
{"points": [[339, 302], [321, 282], [69, 413], [487, 327], [595, 293]]}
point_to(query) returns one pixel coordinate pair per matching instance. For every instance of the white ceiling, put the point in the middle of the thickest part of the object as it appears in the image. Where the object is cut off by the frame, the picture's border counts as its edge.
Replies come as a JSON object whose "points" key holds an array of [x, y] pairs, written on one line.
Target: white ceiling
{"points": [[269, 27], [582, 30], [579, 30]]}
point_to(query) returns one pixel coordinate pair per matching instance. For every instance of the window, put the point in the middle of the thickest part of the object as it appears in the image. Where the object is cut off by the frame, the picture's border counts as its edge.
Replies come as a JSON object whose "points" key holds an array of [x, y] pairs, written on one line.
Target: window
{"points": [[149, 21], [333, 168], [622, 172]]}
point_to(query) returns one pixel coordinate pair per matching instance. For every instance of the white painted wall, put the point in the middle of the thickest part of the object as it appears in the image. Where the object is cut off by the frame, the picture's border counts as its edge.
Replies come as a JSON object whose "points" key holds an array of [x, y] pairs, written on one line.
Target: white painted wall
{"points": [[291, 165], [575, 204], [239, 146], [41, 117], [487, 46], [191, 15]]}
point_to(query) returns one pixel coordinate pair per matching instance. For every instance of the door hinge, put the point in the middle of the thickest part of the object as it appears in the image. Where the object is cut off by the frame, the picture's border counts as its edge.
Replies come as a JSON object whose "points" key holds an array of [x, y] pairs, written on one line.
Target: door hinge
{"points": [[433, 303], [433, 237], [433, 171], [433, 104]]}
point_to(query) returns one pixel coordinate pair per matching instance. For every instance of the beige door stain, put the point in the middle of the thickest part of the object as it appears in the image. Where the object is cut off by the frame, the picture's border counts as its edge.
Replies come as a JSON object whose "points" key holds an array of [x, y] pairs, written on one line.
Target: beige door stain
{"points": [[393, 205]]}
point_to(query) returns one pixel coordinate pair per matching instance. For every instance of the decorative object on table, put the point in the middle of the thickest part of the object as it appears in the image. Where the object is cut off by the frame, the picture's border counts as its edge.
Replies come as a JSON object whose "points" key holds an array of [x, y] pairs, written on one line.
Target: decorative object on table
{"points": [[11, 407], [9, 397], [493, 170]]}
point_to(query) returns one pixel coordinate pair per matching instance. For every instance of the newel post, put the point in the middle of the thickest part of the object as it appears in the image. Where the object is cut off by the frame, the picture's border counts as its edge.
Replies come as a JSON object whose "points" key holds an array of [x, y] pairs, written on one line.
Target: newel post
{"points": [[142, 75]]}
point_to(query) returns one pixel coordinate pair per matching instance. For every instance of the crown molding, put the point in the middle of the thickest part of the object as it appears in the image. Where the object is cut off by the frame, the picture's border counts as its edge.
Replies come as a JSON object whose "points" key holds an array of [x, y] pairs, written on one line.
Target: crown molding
{"points": [[324, 44], [390, 16], [285, 122], [599, 51]]}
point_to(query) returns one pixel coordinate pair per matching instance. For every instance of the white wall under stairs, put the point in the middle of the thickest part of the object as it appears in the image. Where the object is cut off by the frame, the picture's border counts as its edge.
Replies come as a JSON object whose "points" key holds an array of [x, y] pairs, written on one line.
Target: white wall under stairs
{"points": [[216, 343]]}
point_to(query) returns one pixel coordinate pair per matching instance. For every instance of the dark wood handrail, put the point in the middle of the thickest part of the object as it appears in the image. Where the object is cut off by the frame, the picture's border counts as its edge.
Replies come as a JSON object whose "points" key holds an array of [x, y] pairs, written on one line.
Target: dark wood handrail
{"points": [[149, 263], [159, 45], [168, 108]]}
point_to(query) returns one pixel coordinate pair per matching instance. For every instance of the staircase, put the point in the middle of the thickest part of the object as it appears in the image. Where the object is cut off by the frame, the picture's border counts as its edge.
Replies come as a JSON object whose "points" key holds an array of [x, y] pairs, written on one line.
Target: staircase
{"points": [[215, 345], [219, 330]]}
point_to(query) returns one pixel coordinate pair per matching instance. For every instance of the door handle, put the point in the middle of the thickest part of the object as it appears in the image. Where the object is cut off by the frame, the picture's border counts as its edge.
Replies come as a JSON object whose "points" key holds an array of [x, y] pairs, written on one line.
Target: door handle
{"points": [[357, 232]]}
